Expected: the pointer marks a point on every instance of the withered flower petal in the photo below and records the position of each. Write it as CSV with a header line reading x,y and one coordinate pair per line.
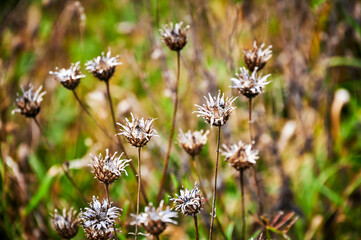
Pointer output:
x,y
29,103
69,78
67,224
193,142
174,36
103,67
257,57
240,156
189,202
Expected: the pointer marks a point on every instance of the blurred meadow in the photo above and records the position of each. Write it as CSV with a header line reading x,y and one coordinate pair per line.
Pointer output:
x,y
306,125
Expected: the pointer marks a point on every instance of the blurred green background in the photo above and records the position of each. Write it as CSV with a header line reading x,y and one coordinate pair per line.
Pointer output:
x,y
306,124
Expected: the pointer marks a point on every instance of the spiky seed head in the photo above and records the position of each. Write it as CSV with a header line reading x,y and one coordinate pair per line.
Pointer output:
x,y
65,224
189,202
193,142
240,156
249,85
103,67
98,219
109,168
69,78
138,132
155,220
175,37
257,57
29,104
217,110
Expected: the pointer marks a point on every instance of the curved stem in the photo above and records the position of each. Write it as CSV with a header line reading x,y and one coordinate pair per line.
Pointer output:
x,y
108,198
120,144
91,116
138,195
65,170
196,226
170,140
243,205
215,186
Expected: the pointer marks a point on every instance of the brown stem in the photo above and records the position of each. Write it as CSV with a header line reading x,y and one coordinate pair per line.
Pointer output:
x,y
108,198
243,205
156,237
120,144
138,195
215,186
170,140
65,170
260,205
91,116
196,226
194,163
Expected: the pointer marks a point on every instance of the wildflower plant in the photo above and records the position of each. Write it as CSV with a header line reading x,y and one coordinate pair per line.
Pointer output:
x,y
193,142
29,104
65,224
174,36
103,67
69,78
257,57
240,156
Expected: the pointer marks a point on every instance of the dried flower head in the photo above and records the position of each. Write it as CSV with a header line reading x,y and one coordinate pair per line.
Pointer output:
x,y
174,37
139,131
98,220
67,224
189,202
193,142
109,168
155,220
69,78
249,85
240,156
103,67
29,103
257,57
217,110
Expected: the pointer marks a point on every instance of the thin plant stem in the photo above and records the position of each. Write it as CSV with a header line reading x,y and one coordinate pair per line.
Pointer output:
x,y
215,186
194,163
170,140
157,237
89,114
138,195
243,205
196,226
108,198
65,170
120,144
260,205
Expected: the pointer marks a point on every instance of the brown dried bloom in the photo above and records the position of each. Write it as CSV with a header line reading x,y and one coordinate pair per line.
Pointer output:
x,y
139,131
249,85
67,224
29,103
240,156
174,37
217,110
109,168
69,78
189,202
103,67
193,142
257,57
154,220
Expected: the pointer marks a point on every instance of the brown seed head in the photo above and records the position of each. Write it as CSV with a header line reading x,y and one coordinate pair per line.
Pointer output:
x,y
69,78
174,37
189,202
240,156
192,142
138,132
67,224
257,57
103,67
29,103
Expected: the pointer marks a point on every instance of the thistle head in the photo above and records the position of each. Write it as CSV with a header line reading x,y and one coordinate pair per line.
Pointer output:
x,y
175,37
189,202
103,67
240,156
65,224
69,78
98,219
155,220
29,104
257,57
138,132
217,110
193,142
109,168
249,85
